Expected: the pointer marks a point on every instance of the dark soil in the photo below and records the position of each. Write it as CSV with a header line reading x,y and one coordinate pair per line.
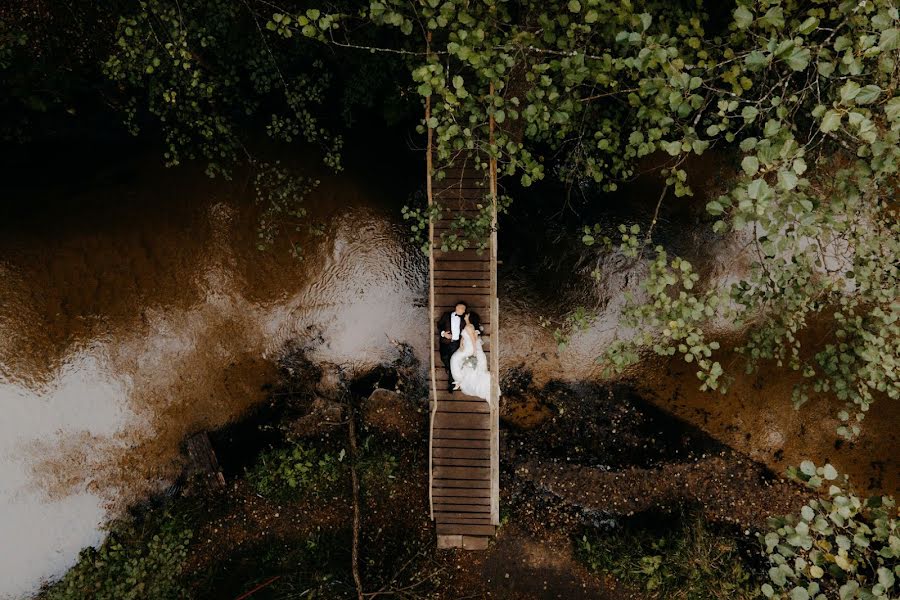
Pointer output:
x,y
572,457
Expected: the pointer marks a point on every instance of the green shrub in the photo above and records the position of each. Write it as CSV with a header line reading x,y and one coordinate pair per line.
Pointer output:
x,y
281,472
687,562
839,546
135,562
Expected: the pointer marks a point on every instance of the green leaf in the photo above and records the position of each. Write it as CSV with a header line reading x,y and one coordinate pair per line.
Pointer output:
x,y
798,59
892,109
808,26
758,189
749,113
868,94
743,17
750,164
807,467
714,207
890,39
830,122
849,91
799,593
787,180
885,578
574,6
646,20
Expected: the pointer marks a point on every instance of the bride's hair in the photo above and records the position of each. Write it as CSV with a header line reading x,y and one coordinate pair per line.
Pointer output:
x,y
474,319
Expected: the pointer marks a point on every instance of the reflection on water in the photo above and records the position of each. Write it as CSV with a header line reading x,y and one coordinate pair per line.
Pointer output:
x,y
141,312
138,311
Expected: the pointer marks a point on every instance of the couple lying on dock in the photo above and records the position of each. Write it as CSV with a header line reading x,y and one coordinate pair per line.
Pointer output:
x,y
462,352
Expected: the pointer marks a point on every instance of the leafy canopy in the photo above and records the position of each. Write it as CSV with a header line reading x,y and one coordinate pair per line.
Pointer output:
x,y
802,94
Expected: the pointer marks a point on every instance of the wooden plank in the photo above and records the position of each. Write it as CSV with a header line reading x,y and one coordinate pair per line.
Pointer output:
x,y
471,286
460,288
481,484
446,542
475,279
466,197
484,462
475,512
454,528
459,197
455,443
464,265
482,307
462,504
449,300
457,493
462,519
461,421
475,542
450,406
446,396
474,266
459,453
459,434
468,473
468,254
468,170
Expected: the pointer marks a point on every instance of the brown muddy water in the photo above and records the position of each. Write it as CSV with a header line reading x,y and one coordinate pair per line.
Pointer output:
x,y
135,309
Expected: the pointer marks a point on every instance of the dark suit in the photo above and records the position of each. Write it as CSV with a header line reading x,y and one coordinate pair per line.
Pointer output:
x,y
447,346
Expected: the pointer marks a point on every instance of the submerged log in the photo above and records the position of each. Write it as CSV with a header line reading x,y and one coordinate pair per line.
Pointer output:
x,y
203,466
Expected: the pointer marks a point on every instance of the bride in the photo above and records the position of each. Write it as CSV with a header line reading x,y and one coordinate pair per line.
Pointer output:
x,y
468,365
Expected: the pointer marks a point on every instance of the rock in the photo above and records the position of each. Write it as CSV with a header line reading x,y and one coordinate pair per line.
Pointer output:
x,y
330,385
392,413
321,412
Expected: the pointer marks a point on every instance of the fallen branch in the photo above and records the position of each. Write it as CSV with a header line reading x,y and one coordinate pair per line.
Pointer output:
x,y
354,478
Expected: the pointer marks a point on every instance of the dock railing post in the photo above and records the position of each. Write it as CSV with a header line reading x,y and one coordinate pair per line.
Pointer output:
x,y
495,337
432,400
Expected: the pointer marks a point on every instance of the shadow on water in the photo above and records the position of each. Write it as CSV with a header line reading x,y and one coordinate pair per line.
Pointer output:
x,y
609,427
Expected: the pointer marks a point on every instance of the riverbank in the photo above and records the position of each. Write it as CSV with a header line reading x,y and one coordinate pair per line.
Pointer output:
x,y
586,461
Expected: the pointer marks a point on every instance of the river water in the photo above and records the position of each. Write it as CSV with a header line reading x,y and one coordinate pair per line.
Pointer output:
x,y
135,309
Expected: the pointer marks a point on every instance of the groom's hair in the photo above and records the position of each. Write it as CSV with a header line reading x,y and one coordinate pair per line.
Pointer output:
x,y
463,303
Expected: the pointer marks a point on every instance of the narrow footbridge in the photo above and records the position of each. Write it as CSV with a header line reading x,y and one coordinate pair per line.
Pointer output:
x,y
463,440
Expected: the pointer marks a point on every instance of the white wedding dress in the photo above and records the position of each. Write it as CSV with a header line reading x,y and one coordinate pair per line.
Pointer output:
x,y
474,380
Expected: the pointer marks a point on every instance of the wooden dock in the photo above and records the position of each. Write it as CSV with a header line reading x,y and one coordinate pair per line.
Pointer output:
x,y
463,441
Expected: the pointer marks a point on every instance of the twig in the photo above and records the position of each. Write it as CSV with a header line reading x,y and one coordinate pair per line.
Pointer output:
x,y
265,583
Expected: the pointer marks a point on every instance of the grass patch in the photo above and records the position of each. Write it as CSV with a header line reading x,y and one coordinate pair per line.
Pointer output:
x,y
680,559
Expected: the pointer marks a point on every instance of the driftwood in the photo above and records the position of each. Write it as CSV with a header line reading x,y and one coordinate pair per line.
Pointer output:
x,y
203,466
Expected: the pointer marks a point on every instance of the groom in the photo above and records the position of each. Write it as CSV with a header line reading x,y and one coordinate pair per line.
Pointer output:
x,y
450,325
